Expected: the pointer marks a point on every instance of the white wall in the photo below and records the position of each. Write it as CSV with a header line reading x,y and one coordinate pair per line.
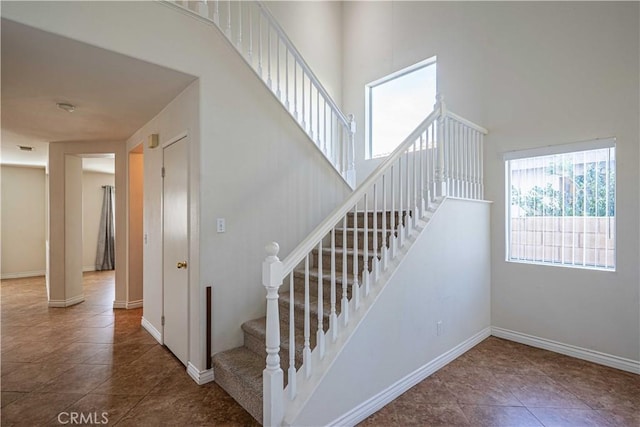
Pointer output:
x,y
23,221
92,196
534,74
444,277
315,28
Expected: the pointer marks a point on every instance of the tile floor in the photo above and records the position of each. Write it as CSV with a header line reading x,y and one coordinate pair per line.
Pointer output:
x,y
89,359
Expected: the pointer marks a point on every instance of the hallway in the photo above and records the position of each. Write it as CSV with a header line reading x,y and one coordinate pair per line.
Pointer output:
x,y
90,359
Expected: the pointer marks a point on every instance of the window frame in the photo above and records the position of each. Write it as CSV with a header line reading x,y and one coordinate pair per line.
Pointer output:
x,y
369,105
576,147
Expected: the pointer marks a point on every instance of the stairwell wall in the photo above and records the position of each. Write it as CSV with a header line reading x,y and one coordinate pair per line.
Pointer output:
x,y
251,163
445,276
534,74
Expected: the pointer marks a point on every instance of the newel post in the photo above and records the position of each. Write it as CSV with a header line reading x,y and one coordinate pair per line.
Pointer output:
x,y
272,376
351,169
442,146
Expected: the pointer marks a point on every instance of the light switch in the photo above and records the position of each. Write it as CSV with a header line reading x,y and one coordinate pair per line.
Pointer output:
x,y
220,225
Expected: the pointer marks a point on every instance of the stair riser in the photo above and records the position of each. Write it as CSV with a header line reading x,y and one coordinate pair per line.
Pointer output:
x,y
229,382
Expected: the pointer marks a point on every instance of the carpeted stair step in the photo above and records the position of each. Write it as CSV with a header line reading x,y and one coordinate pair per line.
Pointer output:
x,y
239,372
360,231
339,257
298,306
370,216
255,340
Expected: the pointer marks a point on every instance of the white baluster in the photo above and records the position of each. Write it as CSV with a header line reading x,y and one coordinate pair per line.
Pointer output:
x,y
303,103
355,286
376,244
286,78
260,45
439,160
295,90
324,118
365,259
250,53
239,40
202,9
310,130
306,351
385,238
320,331
227,31
278,92
481,155
272,376
318,118
400,227
423,154
392,239
414,193
292,341
269,82
351,171
407,215
333,317
216,13
344,306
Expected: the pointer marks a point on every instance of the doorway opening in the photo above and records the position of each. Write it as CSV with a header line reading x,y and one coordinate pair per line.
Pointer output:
x,y
98,229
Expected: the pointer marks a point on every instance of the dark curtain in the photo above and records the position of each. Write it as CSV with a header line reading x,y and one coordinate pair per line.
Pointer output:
x,y
106,254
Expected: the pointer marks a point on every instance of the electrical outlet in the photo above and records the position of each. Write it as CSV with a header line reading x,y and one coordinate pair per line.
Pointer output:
x,y
439,328
221,225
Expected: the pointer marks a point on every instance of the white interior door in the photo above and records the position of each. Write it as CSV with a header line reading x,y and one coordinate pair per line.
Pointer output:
x,y
175,230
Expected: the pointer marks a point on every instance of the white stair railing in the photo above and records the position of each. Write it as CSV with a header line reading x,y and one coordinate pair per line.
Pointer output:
x,y
441,157
253,31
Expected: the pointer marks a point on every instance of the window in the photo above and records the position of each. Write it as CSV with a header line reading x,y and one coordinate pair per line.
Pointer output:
x,y
397,104
561,205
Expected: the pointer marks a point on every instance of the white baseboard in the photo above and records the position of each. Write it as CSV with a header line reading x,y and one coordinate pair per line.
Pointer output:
x,y
365,409
57,303
22,274
200,377
569,350
152,330
133,304
119,304
88,268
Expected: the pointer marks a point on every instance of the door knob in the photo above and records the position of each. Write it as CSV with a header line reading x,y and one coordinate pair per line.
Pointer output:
x,y
182,264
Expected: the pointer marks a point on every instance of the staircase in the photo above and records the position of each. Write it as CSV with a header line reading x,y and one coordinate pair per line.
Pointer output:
x,y
333,278
239,370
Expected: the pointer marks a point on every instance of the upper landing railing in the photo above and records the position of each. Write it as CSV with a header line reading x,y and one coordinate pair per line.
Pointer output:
x,y
251,28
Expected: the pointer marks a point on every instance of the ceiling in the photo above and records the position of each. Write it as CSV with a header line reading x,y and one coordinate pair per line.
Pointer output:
x,y
114,95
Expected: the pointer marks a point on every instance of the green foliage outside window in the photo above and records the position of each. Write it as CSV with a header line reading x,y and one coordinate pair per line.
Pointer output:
x,y
595,183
